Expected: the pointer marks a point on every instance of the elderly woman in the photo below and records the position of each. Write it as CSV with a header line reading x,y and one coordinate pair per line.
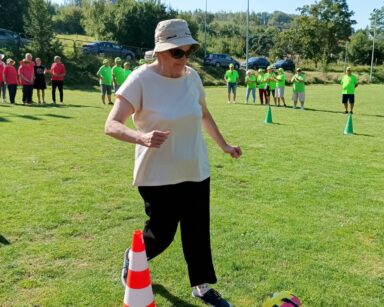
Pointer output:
x,y
166,100
58,73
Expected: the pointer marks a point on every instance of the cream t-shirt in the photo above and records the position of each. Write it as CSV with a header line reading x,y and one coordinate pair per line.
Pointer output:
x,y
172,104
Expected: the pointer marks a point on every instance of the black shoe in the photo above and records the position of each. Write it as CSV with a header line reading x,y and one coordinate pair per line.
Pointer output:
x,y
351,112
345,112
124,271
212,298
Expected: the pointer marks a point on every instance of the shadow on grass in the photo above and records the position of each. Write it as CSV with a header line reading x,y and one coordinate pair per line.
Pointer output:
x,y
3,120
174,301
58,105
4,241
57,116
361,134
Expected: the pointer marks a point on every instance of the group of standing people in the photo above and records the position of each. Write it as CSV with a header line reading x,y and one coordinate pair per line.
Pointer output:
x,y
30,75
269,83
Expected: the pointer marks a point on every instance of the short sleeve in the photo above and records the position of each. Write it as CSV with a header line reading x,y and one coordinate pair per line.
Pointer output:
x,y
132,91
200,86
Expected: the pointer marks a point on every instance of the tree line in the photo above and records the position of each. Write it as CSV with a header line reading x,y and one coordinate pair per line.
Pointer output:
x,y
321,32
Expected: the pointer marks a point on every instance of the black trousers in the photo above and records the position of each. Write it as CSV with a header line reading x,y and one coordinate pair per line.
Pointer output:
x,y
59,85
187,204
27,93
12,89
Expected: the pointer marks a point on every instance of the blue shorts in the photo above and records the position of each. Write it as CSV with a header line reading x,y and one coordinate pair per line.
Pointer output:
x,y
232,87
105,89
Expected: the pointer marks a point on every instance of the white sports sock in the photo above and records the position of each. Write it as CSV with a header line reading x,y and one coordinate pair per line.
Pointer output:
x,y
200,290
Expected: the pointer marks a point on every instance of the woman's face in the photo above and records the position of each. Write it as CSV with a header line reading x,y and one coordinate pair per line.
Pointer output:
x,y
38,62
176,59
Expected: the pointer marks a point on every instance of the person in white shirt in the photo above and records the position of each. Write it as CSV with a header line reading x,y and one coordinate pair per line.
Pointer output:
x,y
166,100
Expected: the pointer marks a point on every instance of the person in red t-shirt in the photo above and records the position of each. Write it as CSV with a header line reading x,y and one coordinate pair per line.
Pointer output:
x,y
3,88
11,79
58,73
26,76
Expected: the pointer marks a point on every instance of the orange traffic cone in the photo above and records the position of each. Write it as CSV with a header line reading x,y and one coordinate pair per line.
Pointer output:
x,y
138,290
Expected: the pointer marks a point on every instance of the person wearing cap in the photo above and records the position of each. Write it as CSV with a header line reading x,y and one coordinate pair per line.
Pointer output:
x,y
58,73
250,81
166,100
298,80
26,76
262,84
105,78
141,63
3,87
117,74
231,77
270,79
348,82
11,79
127,70
280,86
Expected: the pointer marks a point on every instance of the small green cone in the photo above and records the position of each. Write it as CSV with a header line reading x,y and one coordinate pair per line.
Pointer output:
x,y
268,116
349,126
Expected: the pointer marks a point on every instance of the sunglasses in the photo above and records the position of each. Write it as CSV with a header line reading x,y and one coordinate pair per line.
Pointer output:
x,y
177,53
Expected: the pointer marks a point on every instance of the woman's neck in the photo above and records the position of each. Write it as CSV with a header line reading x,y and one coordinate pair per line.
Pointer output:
x,y
166,71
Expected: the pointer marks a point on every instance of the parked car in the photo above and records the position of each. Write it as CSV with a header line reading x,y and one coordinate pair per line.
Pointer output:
x,y
220,60
256,63
8,37
284,64
108,49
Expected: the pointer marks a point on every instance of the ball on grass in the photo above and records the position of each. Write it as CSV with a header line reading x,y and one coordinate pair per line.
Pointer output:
x,y
282,299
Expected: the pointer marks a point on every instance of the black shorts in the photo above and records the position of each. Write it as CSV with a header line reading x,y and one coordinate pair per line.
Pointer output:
x,y
348,97
269,91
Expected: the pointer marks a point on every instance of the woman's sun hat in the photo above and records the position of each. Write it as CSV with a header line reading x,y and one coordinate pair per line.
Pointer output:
x,y
173,33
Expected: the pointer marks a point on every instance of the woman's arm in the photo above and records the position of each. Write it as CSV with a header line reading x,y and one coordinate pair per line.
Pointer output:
x,y
211,128
115,127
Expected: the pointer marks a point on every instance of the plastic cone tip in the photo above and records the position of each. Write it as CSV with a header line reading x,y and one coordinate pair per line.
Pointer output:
x,y
349,126
268,116
138,241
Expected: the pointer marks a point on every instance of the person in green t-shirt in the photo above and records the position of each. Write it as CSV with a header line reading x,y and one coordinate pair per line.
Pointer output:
x,y
298,80
105,77
262,84
280,87
348,82
117,74
127,70
231,77
270,78
250,81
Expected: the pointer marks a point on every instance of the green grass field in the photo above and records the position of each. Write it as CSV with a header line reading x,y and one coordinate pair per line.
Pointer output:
x,y
302,210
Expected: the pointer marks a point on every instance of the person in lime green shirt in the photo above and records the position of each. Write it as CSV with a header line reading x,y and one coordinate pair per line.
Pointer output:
x,y
298,80
127,70
117,74
250,81
280,86
348,82
262,84
105,77
270,78
231,77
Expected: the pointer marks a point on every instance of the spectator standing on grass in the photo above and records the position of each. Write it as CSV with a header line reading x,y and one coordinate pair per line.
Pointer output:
x,y
3,87
298,80
270,78
58,73
231,77
262,84
166,100
105,78
127,70
348,82
250,81
26,76
117,74
11,79
39,83
280,87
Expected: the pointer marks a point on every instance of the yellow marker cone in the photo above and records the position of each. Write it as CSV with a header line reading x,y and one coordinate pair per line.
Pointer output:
x,y
268,116
349,126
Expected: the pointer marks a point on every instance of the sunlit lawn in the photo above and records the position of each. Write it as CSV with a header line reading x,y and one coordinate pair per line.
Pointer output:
x,y
302,210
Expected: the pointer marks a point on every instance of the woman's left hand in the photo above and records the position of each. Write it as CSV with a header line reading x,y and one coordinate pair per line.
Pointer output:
x,y
234,151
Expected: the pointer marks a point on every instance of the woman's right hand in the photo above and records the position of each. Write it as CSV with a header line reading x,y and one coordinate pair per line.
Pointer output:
x,y
154,139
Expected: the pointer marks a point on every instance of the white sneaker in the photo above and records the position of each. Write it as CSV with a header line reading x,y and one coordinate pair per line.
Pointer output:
x,y
229,101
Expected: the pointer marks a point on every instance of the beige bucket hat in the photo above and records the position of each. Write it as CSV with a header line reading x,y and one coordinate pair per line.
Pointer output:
x,y
173,33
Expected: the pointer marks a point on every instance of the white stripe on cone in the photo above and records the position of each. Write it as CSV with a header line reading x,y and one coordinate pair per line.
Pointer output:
x,y
139,262
138,297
